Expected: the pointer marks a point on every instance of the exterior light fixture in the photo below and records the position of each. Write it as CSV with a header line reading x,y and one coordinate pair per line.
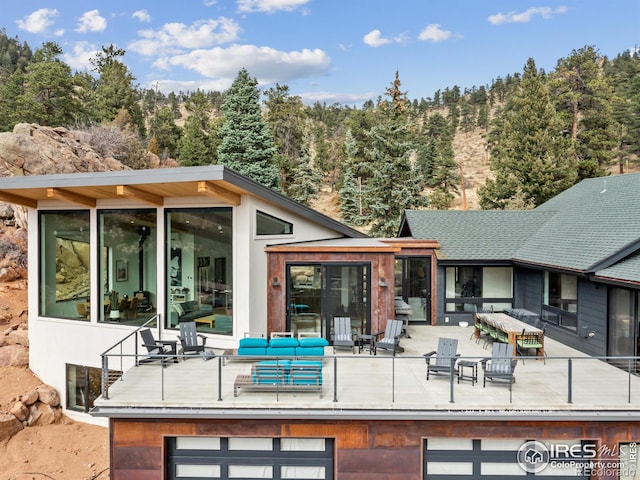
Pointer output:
x,y
275,282
382,283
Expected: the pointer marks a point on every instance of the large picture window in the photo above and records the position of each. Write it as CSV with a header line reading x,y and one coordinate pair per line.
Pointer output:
x,y
127,265
199,251
470,288
64,264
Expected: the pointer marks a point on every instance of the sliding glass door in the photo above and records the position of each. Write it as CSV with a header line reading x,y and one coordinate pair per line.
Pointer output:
x,y
317,293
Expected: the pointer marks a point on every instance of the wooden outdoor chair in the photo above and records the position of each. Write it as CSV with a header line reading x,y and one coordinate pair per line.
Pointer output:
x,y
530,341
190,340
390,338
445,357
500,366
342,335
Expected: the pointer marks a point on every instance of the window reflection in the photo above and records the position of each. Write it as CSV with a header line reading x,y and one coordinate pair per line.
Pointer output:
x,y
199,268
64,264
128,269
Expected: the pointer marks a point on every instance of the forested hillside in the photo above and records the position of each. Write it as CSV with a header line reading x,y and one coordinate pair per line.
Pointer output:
x,y
512,144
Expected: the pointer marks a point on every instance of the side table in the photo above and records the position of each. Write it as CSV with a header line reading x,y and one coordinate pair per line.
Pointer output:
x,y
364,341
472,374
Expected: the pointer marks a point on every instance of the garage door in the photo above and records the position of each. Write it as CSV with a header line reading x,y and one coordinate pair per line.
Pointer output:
x,y
503,459
191,458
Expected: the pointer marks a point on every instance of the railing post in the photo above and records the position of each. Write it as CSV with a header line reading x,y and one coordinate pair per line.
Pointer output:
x,y
393,379
105,377
569,380
453,362
335,378
629,382
220,379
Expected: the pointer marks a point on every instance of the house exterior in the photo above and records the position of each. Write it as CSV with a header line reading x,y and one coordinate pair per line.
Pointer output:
x,y
573,261
111,252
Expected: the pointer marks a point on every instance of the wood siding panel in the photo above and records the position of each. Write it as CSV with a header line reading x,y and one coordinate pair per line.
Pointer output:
x,y
364,449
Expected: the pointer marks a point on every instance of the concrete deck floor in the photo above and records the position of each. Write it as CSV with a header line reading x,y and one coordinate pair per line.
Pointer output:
x,y
386,385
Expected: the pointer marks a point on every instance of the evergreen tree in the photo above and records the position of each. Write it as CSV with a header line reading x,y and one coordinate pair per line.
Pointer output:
x,y
305,181
48,95
115,88
166,132
531,160
350,192
194,147
285,116
247,145
583,96
395,185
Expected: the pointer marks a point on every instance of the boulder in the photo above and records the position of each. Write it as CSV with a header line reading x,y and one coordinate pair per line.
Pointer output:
x,y
48,395
20,411
9,426
14,355
43,414
30,397
18,337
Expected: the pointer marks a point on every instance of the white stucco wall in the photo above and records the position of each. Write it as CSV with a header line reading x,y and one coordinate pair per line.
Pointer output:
x,y
56,342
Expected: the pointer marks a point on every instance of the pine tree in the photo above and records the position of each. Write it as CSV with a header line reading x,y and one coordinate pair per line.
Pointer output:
x,y
531,160
115,88
285,116
194,147
247,145
395,184
583,95
48,95
305,181
350,192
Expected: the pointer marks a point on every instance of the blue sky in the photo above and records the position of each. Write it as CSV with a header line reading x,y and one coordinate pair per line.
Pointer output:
x,y
343,51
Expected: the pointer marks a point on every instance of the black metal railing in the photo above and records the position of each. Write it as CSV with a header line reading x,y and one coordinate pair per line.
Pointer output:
x,y
401,379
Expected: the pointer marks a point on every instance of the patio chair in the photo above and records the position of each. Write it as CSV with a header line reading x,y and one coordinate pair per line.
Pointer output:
x,y
500,366
530,341
190,340
445,357
342,335
390,338
157,349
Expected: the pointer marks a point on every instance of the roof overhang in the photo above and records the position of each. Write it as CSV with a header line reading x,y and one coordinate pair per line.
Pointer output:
x,y
153,187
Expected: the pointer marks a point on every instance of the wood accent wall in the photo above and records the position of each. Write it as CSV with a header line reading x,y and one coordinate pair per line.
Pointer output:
x,y
375,450
382,265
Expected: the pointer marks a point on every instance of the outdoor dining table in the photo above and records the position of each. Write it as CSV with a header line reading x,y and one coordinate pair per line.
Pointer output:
x,y
511,326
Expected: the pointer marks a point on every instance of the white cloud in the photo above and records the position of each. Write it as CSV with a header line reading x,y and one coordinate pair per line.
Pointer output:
x,y
434,33
38,21
142,15
266,64
168,86
269,6
175,37
91,21
310,98
80,56
210,3
375,39
527,15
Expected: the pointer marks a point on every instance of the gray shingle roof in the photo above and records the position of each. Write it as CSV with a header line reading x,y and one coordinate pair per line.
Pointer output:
x,y
476,235
592,226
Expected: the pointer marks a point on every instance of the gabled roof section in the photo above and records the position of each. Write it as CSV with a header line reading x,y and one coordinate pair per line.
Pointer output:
x,y
474,235
595,224
626,271
152,187
593,228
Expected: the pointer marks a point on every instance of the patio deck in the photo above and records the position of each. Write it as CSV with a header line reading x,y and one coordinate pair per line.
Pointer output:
x,y
361,385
